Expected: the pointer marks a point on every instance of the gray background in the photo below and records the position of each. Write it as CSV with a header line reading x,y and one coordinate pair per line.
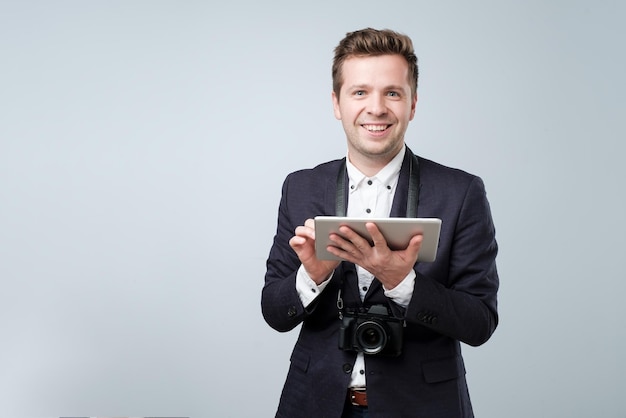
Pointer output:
x,y
144,143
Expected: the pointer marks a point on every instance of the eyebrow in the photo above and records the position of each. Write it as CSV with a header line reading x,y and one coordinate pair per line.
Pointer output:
x,y
357,86
366,86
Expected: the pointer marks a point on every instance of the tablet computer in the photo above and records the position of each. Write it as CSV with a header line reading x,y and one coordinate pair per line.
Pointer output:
x,y
397,232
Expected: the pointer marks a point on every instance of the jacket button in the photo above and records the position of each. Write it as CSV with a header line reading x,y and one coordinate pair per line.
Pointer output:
x,y
347,368
291,312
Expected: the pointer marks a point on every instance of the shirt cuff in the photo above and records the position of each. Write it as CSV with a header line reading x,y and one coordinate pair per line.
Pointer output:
x,y
307,289
403,292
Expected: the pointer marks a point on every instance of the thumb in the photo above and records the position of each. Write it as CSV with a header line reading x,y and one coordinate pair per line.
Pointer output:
x,y
414,245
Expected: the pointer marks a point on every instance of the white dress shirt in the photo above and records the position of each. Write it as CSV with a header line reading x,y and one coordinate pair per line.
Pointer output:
x,y
369,197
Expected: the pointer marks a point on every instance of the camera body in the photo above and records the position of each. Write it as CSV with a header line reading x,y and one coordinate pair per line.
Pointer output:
x,y
371,331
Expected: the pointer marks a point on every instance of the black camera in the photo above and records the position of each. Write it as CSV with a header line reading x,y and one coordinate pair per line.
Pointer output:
x,y
371,331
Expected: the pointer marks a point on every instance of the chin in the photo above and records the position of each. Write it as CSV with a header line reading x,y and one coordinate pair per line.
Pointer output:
x,y
381,150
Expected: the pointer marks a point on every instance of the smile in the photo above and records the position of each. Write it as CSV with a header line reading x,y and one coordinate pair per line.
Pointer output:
x,y
376,128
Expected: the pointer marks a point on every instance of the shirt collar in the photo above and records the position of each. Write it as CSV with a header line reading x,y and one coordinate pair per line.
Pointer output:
x,y
388,175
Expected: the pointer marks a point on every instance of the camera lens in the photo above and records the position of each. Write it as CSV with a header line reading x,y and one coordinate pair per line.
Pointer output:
x,y
370,337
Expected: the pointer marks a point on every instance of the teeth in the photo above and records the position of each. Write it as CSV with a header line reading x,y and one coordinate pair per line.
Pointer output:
x,y
375,128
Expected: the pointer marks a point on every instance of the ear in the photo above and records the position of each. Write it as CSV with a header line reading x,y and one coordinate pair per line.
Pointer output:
x,y
336,106
413,106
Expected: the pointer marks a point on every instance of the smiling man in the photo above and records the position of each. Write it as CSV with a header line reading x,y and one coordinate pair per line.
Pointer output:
x,y
415,314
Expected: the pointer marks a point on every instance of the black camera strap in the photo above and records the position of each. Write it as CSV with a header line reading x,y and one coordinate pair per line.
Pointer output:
x,y
341,198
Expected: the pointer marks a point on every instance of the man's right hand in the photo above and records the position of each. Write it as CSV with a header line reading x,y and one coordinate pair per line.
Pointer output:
x,y
303,243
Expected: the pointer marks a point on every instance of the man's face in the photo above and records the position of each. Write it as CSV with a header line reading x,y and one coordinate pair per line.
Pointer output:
x,y
375,107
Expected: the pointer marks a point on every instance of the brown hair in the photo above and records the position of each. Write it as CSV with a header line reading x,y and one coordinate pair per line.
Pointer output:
x,y
373,42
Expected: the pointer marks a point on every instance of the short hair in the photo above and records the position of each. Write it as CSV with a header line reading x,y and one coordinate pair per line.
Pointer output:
x,y
373,42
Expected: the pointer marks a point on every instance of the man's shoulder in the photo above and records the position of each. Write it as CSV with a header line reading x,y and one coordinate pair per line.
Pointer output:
x,y
433,169
323,170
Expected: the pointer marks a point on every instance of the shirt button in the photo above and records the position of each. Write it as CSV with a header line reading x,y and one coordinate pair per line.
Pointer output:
x,y
368,210
364,288
361,371
369,182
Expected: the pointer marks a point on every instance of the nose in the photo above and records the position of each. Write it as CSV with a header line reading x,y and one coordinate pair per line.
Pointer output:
x,y
376,105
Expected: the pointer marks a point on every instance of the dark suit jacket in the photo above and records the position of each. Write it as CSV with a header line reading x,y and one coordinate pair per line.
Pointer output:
x,y
454,300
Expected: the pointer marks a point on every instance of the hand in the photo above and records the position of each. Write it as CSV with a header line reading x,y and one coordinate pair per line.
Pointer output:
x,y
303,243
389,267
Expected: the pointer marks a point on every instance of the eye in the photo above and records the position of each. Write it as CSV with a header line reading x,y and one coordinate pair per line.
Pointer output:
x,y
359,93
393,94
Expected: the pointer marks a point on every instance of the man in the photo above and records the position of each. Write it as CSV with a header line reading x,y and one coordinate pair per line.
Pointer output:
x,y
440,304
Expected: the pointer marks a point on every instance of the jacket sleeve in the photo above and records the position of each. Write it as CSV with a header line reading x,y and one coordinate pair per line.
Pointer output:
x,y
281,305
459,300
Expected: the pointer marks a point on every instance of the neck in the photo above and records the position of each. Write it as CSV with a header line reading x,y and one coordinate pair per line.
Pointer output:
x,y
370,165
367,166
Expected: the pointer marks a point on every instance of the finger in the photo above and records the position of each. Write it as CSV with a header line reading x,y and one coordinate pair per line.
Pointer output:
x,y
341,253
340,243
377,237
354,238
305,231
297,242
353,252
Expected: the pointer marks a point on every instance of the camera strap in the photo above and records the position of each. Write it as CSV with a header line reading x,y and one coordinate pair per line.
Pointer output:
x,y
341,198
